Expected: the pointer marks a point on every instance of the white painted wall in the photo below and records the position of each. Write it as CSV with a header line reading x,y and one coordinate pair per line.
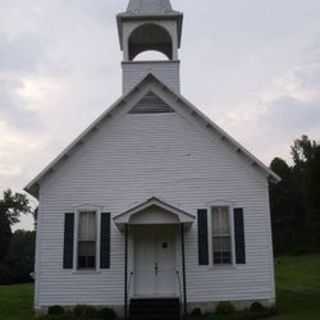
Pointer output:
x,y
132,158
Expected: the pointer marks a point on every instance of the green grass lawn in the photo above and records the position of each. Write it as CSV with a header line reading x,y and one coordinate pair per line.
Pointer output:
x,y
298,288
16,302
298,292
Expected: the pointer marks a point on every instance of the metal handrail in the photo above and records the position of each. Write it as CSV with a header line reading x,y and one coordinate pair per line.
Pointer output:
x,y
179,282
129,283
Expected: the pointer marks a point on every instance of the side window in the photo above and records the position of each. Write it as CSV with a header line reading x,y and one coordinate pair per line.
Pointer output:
x,y
87,240
221,236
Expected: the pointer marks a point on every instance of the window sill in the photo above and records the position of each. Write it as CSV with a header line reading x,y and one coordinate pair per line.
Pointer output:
x,y
222,267
82,272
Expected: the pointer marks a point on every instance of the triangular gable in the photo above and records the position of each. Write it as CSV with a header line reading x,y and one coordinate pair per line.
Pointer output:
x,y
33,186
125,217
151,104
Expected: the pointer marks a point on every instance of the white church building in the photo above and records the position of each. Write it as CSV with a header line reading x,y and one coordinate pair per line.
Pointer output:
x,y
154,207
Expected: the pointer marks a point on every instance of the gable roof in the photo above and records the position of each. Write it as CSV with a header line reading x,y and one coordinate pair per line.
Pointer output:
x,y
33,186
124,218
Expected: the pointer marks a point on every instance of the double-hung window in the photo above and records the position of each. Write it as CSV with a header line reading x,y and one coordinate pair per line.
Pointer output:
x,y
87,240
221,236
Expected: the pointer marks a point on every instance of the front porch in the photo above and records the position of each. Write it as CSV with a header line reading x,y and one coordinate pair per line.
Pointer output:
x,y
155,269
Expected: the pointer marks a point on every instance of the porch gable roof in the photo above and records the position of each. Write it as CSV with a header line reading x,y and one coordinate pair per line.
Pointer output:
x,y
183,217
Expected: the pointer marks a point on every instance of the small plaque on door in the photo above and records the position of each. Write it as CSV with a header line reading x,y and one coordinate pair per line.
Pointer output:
x,y
164,245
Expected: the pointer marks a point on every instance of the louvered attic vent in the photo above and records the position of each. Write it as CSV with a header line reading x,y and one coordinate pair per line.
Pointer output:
x,y
151,103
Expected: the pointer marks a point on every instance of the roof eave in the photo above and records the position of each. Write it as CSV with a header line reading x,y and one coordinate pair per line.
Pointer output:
x,y
32,189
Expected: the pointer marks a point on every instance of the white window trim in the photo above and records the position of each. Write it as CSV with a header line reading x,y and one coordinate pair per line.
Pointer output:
x,y
230,206
77,211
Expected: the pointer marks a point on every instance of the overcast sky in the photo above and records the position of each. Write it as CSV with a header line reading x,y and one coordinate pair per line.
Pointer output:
x,y
252,66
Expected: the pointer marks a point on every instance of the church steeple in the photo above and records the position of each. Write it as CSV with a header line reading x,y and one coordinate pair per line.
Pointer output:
x,y
150,25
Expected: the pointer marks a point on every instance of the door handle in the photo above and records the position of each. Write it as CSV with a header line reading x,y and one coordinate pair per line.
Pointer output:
x,y
156,268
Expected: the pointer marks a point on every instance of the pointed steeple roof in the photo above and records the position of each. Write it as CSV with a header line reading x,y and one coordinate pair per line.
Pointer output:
x,y
149,6
145,8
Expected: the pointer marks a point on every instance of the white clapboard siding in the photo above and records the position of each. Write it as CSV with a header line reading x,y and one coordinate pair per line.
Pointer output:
x,y
166,71
131,158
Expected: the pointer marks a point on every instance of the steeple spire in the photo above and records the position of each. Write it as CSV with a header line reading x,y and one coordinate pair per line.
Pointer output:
x,y
149,6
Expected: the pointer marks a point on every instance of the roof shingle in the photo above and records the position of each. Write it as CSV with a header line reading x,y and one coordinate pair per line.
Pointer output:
x,y
152,7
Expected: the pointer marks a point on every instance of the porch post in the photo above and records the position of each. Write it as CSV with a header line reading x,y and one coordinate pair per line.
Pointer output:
x,y
126,273
185,303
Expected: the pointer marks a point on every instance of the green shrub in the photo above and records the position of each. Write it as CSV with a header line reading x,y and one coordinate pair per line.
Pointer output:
x,y
65,316
254,315
211,316
107,314
225,308
257,307
196,312
273,311
84,312
55,310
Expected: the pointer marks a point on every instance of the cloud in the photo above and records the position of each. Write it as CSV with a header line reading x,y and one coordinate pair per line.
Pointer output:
x,y
287,114
17,151
14,107
22,53
21,56
282,111
294,100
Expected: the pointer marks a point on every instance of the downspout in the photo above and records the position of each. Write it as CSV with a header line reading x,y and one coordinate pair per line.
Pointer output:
x,y
185,302
126,273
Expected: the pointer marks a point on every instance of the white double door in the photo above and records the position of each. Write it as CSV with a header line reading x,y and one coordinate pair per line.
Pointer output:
x,y
155,261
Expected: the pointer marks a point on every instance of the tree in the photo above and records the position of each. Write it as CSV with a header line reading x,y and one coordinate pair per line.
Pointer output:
x,y
19,262
303,150
306,156
20,257
11,207
295,201
283,207
5,236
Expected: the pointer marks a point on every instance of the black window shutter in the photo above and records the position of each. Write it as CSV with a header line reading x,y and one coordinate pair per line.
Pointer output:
x,y
68,241
239,236
105,241
203,237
